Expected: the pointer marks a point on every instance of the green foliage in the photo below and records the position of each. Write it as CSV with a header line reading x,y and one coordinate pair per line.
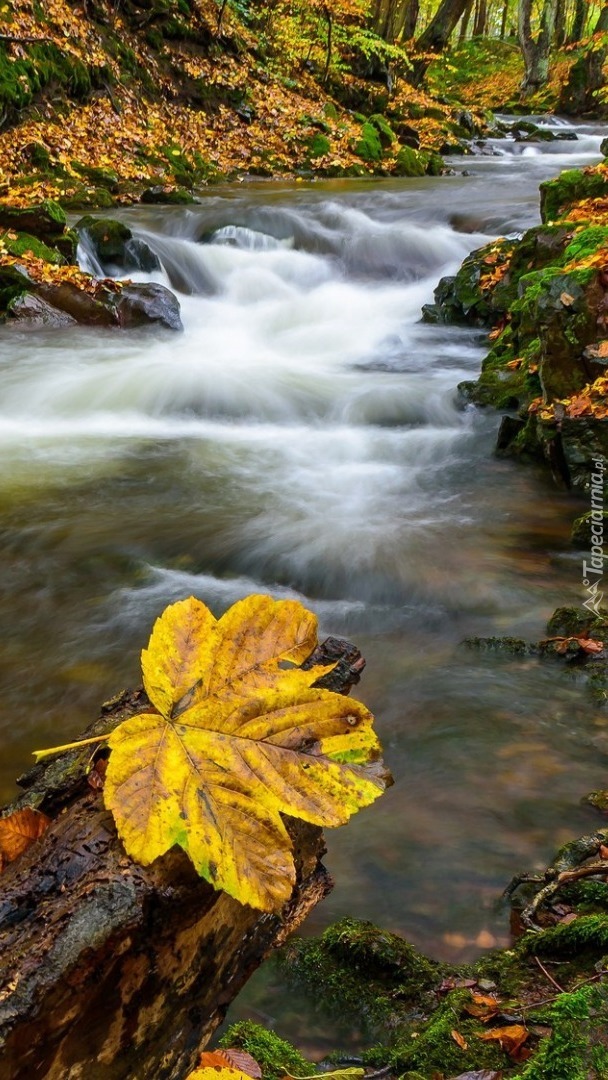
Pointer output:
x,y
317,145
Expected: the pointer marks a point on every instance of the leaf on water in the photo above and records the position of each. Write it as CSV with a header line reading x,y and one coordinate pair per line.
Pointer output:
x,y
232,1059
239,739
459,1039
19,830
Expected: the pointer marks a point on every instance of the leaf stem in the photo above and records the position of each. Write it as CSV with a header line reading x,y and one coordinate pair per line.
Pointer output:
x,y
40,754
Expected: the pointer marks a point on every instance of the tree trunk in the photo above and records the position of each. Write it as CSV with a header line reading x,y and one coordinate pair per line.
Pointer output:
x,y
113,971
560,23
578,23
535,52
481,15
503,21
436,36
410,20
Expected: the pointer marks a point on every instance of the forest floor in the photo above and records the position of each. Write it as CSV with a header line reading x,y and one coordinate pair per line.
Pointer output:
x,y
98,104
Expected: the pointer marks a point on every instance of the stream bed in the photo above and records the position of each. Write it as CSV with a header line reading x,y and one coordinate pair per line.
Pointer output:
x,y
304,437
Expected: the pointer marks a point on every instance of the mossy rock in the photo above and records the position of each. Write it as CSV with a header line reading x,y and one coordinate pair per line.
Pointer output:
x,y
410,162
167,196
101,178
88,198
581,528
25,244
573,621
115,245
558,196
460,298
384,129
45,219
369,146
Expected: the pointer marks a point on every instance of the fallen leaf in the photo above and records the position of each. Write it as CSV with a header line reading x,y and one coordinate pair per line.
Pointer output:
x,y
232,1059
511,1037
566,299
459,1039
19,830
217,1072
239,739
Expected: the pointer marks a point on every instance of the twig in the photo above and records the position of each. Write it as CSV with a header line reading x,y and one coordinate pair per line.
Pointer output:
x,y
548,975
25,39
556,997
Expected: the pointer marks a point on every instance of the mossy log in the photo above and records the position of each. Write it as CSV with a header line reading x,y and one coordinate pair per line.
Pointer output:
x,y
109,969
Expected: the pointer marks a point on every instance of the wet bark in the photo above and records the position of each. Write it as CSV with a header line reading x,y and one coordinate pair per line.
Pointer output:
x,y
110,969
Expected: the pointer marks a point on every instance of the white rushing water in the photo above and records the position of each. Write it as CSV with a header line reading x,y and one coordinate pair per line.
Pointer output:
x,y
303,436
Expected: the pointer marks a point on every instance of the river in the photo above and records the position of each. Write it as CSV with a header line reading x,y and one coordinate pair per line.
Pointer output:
x,y
303,437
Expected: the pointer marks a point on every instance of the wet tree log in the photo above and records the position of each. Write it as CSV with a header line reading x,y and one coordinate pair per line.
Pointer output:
x,y
113,970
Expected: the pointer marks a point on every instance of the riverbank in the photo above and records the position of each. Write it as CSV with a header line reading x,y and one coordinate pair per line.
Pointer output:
x,y
104,107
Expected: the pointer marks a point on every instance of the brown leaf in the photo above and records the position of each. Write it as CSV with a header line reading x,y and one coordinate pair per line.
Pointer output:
x,y
566,299
588,645
19,830
233,1059
479,1074
459,1039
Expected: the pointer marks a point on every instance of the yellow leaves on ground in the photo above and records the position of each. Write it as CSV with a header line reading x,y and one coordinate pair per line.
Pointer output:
x,y
18,831
240,738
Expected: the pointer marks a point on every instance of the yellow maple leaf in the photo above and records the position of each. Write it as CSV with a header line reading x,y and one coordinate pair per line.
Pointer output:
x,y
241,737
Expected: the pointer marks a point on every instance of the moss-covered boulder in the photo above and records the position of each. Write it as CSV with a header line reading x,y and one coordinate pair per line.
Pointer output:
x,y
369,146
46,219
114,245
558,196
410,162
468,297
384,129
581,528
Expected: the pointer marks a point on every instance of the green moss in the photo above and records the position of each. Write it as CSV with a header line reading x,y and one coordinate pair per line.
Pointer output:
x,y
509,645
570,621
586,935
330,968
25,244
574,1050
428,1046
409,162
275,1056
317,145
384,129
369,147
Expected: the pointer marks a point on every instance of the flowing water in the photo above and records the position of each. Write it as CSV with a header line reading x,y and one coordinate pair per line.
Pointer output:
x,y
303,437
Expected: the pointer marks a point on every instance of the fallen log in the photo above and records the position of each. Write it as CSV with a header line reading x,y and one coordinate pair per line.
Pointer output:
x,y
110,969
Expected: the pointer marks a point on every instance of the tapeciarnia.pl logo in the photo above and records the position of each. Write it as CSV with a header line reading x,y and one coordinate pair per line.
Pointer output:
x,y
593,571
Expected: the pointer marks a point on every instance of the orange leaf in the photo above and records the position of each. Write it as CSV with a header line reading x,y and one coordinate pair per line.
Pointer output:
x,y
511,1037
19,830
459,1039
514,364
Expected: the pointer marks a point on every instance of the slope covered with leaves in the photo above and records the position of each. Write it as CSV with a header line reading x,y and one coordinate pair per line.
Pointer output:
x,y
98,102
